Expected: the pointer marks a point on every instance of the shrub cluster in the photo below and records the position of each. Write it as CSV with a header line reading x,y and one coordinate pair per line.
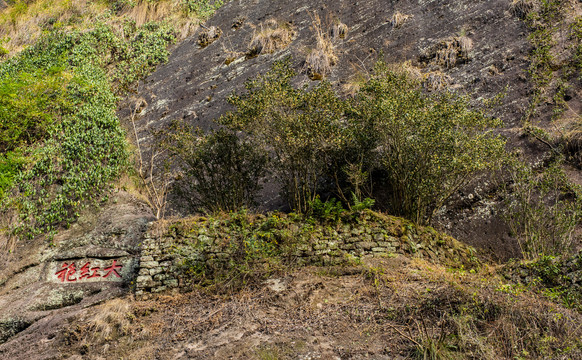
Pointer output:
x,y
421,148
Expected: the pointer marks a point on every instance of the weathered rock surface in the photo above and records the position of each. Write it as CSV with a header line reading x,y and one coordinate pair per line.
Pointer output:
x,y
99,259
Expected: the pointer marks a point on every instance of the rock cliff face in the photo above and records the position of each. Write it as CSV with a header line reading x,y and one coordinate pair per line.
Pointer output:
x,y
476,47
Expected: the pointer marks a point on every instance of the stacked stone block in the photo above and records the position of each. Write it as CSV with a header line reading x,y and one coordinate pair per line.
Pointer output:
x,y
374,235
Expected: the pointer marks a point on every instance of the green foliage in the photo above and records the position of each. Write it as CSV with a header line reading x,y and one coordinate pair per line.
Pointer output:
x,y
303,128
58,110
428,146
330,210
542,209
552,279
220,171
10,165
202,8
29,104
358,205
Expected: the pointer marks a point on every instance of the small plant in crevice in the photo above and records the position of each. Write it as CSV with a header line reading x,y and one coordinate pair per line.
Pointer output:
x,y
208,36
398,19
339,30
521,8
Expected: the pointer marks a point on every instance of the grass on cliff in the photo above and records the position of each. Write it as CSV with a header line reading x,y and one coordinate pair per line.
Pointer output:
x,y
24,22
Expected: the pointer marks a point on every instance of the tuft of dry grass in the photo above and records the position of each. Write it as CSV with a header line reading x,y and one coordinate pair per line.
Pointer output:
x,y
112,320
398,19
452,51
8,218
521,8
208,36
320,59
270,36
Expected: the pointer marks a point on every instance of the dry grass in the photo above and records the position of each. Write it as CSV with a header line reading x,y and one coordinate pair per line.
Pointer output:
x,y
339,30
398,19
421,309
23,22
453,51
112,320
8,218
208,36
270,36
521,8
320,60
436,81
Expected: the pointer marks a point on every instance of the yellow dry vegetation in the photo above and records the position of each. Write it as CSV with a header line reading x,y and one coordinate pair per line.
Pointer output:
x,y
269,37
23,22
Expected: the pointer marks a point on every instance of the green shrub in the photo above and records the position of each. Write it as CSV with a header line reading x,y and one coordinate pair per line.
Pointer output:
x,y
542,209
428,146
220,171
304,129
10,165
30,102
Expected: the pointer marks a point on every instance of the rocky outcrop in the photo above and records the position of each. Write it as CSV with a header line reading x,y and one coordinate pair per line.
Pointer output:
x,y
44,283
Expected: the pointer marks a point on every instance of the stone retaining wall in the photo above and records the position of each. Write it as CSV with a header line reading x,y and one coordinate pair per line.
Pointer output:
x,y
210,243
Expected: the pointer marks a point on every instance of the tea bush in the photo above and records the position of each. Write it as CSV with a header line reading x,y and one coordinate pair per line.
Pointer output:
x,y
220,172
428,146
425,146
303,128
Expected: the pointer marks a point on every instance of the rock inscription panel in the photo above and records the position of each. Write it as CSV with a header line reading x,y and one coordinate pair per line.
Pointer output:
x,y
90,270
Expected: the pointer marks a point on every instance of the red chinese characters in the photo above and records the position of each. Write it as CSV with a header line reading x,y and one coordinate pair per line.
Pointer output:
x,y
68,272
112,270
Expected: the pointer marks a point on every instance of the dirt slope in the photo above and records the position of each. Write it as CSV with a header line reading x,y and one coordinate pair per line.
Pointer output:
x,y
384,309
